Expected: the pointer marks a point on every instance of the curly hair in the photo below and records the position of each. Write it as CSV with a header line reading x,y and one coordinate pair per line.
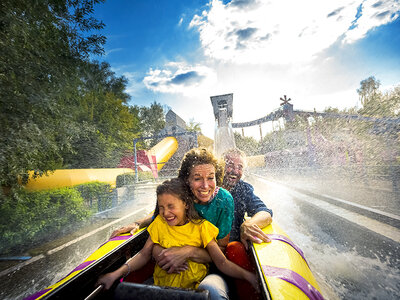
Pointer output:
x,y
200,156
179,189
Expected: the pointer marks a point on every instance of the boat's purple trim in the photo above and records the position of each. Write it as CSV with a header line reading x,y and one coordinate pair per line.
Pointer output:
x,y
120,237
295,279
285,239
117,238
82,266
37,294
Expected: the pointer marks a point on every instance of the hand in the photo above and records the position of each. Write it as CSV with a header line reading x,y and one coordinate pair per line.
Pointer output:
x,y
173,260
107,280
131,228
253,233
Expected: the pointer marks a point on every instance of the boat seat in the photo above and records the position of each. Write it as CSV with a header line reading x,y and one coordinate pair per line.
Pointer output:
x,y
128,290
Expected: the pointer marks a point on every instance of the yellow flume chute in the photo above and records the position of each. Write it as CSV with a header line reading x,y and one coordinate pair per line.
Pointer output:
x,y
163,151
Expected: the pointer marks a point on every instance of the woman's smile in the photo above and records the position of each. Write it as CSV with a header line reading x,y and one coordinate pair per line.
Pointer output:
x,y
202,182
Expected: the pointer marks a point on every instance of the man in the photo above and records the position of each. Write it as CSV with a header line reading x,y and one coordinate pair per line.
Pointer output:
x,y
245,202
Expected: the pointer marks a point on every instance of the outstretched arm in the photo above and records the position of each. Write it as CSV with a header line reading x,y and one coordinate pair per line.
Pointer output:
x,y
133,264
173,260
250,230
228,267
133,227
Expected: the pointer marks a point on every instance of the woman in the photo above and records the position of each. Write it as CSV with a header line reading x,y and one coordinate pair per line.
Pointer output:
x,y
203,175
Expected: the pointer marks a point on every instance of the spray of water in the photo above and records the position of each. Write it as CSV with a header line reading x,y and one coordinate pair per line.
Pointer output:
x,y
341,271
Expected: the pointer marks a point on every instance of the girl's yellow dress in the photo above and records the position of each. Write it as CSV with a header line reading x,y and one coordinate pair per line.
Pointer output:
x,y
192,234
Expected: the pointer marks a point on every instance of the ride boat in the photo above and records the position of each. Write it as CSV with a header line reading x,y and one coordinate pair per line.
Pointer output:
x,y
281,267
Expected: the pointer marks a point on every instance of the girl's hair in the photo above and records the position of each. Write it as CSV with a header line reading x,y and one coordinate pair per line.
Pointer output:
x,y
179,189
200,156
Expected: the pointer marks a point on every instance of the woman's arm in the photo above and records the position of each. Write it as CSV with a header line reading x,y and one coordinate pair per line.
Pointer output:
x,y
173,260
133,264
228,267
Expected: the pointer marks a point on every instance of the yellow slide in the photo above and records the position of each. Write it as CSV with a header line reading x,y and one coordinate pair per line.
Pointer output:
x,y
163,151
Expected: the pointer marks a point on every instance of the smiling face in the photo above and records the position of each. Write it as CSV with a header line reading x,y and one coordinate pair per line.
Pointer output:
x,y
202,182
172,209
233,170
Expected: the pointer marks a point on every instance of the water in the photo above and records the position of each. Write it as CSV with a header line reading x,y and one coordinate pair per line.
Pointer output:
x,y
344,257
224,139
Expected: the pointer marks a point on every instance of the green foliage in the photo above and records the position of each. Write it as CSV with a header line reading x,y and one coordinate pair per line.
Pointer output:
x,y
29,217
152,120
193,126
247,144
369,94
125,179
58,109
108,123
145,176
96,195
42,44
378,104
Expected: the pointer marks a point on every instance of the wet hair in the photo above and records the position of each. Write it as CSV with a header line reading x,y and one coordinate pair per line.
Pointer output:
x,y
179,189
200,156
236,152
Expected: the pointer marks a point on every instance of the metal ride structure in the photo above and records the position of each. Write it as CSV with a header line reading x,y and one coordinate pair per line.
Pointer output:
x,y
287,112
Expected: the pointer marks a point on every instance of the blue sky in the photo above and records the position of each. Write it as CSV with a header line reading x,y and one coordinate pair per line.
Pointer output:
x,y
181,52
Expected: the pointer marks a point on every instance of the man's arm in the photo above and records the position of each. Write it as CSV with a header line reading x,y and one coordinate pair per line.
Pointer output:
x,y
261,216
173,260
250,230
133,227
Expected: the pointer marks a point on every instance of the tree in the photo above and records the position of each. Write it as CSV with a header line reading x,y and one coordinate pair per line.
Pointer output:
x,y
370,96
247,144
42,43
108,122
391,102
193,126
152,120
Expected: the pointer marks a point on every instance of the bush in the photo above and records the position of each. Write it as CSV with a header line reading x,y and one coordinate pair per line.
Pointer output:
x,y
29,217
125,179
129,178
96,192
145,176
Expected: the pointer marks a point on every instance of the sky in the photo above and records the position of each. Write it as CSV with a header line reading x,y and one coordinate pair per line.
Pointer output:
x,y
179,53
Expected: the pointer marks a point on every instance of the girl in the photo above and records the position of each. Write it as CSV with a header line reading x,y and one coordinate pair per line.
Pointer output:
x,y
177,224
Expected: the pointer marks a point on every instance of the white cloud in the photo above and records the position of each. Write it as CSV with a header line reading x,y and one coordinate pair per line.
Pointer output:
x,y
262,50
108,52
374,14
180,21
179,77
285,31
